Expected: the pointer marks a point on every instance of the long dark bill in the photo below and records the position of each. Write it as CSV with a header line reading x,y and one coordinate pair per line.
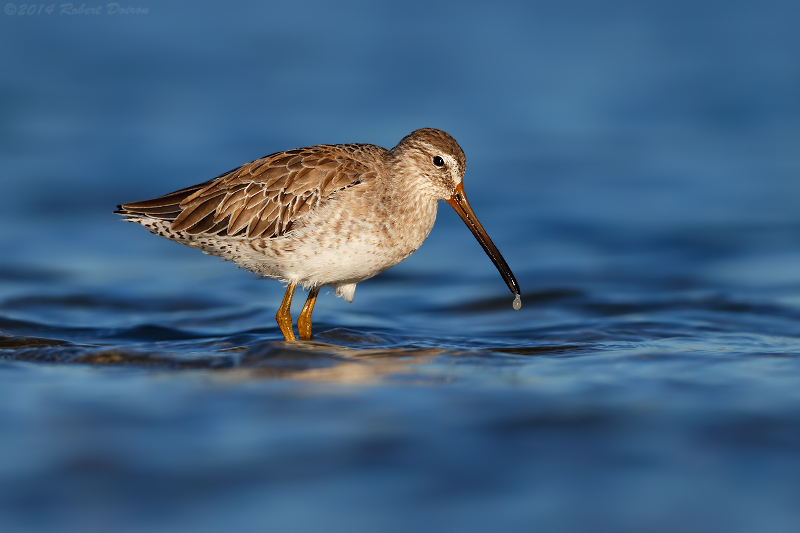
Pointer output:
x,y
460,204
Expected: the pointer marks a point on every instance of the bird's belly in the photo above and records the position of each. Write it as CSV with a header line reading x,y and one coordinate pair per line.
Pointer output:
x,y
349,260
320,259
336,247
351,264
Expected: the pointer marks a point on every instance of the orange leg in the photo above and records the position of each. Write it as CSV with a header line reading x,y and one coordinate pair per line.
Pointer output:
x,y
283,317
304,322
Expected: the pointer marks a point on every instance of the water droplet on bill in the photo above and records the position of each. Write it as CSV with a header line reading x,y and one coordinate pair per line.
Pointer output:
x,y
517,303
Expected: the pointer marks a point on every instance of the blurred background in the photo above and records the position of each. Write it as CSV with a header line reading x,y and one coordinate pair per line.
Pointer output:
x,y
637,163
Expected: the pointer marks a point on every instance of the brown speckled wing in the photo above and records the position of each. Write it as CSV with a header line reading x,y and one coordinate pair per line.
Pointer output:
x,y
264,198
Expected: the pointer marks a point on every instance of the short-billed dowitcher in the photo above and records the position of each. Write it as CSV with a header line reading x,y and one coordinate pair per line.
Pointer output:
x,y
324,215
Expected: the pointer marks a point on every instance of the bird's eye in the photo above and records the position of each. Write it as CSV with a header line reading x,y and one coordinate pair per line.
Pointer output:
x,y
438,161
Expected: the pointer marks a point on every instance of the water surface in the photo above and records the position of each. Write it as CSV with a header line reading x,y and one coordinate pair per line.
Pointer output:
x,y
636,164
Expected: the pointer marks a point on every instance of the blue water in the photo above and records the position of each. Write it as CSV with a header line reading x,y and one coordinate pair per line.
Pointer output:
x,y
636,163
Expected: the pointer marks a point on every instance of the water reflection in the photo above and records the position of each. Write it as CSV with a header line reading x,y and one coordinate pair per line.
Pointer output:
x,y
257,359
316,361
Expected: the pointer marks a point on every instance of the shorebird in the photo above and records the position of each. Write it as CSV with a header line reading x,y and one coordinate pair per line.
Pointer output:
x,y
325,215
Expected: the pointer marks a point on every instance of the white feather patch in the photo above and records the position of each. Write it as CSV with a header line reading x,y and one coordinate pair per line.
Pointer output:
x,y
345,290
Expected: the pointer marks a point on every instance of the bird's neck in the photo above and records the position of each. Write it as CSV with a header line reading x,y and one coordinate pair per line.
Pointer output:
x,y
410,210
